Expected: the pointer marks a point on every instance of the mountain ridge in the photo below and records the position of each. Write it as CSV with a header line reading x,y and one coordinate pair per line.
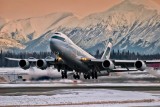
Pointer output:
x,y
132,26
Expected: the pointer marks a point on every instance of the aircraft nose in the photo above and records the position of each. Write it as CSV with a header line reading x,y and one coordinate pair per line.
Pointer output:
x,y
55,46
52,42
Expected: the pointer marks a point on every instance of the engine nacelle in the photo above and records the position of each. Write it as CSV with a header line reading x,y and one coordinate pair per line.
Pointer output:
x,y
42,64
108,64
140,65
24,64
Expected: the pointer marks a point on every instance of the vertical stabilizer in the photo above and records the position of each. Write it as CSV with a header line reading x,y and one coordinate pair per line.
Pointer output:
x,y
107,51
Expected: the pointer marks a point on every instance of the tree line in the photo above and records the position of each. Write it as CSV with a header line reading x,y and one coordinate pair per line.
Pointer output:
x,y
114,55
129,55
22,55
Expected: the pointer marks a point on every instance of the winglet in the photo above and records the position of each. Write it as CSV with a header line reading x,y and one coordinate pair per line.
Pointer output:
x,y
107,51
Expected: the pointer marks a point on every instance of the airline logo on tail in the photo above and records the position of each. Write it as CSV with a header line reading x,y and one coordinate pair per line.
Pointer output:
x,y
106,54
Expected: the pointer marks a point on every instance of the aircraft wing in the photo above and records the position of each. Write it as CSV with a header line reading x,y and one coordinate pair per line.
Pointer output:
x,y
16,59
133,61
120,65
30,59
50,61
126,61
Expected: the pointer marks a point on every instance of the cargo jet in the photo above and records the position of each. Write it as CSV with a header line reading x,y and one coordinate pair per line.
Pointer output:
x,y
70,57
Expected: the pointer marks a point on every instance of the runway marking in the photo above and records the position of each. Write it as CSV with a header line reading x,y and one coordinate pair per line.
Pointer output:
x,y
90,103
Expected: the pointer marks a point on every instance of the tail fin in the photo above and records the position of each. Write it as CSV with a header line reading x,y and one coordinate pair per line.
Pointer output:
x,y
107,51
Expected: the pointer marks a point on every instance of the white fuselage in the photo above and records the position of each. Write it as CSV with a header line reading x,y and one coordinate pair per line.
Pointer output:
x,y
70,53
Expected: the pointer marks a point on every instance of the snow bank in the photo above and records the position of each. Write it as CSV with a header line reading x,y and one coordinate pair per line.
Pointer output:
x,y
80,97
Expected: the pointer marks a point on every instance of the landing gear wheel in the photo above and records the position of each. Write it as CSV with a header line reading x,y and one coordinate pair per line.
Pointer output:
x,y
64,75
76,76
85,76
88,76
93,75
96,75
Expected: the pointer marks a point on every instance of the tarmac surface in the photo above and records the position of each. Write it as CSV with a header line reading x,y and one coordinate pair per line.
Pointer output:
x,y
74,93
116,91
42,87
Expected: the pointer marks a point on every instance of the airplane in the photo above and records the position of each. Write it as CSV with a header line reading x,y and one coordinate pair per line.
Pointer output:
x,y
70,57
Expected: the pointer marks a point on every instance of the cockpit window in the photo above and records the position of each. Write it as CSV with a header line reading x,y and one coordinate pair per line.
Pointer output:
x,y
59,38
57,33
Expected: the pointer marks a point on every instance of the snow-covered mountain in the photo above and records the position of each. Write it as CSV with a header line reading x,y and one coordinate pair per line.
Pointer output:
x,y
133,25
18,33
2,22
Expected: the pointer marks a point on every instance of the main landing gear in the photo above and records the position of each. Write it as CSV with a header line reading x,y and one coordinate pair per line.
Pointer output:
x,y
64,74
86,76
76,75
92,75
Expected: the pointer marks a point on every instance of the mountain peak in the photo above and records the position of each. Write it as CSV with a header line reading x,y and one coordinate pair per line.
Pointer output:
x,y
136,4
148,4
133,25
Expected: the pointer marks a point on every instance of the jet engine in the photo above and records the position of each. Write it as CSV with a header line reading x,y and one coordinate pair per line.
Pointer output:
x,y
24,64
42,64
108,64
140,65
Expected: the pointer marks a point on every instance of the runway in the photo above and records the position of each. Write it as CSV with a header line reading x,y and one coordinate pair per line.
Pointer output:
x,y
80,94
13,88
122,91
77,97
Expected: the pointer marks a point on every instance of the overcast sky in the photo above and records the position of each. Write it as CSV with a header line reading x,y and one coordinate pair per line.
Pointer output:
x,y
17,9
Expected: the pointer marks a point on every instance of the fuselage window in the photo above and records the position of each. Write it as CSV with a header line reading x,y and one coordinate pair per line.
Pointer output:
x,y
59,38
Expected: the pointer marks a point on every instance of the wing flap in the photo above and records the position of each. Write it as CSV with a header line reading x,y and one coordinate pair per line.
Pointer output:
x,y
123,69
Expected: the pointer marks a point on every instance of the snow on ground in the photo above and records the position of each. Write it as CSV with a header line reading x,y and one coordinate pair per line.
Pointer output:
x,y
116,105
77,97
79,84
